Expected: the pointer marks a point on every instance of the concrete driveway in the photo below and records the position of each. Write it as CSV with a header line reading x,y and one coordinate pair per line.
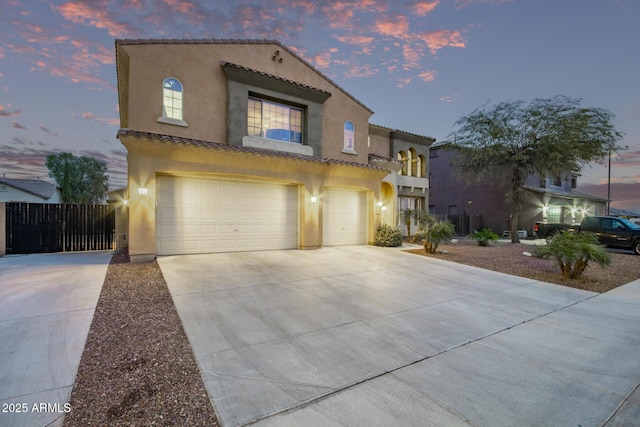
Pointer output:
x,y
362,335
47,303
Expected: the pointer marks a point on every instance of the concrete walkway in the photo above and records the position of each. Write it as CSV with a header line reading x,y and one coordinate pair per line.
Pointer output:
x,y
372,336
47,303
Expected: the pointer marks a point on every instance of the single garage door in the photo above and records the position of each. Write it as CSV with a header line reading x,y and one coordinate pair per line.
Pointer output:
x,y
196,215
344,217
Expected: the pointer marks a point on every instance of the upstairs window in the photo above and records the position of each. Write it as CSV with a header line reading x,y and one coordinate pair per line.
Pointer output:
x,y
268,119
349,136
403,159
172,100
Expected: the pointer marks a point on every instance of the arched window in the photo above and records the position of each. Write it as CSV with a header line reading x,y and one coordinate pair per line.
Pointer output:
x,y
172,102
172,94
410,162
414,162
423,166
403,159
349,136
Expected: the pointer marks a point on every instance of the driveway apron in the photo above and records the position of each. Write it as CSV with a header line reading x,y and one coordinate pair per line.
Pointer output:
x,y
360,335
47,302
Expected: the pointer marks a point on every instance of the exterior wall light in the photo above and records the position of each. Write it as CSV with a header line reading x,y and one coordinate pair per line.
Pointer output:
x,y
314,199
383,208
142,191
125,202
379,204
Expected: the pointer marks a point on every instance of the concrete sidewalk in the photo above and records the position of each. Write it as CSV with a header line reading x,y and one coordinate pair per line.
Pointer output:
x,y
373,336
47,303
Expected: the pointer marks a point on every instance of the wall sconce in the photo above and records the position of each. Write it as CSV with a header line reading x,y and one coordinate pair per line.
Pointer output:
x,y
142,191
125,202
380,204
314,199
383,208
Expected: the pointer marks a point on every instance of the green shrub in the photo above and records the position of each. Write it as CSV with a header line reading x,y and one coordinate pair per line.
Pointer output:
x,y
573,251
438,232
484,236
388,236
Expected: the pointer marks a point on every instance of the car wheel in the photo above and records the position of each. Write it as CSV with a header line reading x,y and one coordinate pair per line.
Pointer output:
x,y
636,247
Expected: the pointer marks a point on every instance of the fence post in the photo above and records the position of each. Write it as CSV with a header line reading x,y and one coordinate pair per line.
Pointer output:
x,y
3,228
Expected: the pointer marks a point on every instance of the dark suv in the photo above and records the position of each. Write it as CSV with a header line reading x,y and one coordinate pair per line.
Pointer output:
x,y
614,232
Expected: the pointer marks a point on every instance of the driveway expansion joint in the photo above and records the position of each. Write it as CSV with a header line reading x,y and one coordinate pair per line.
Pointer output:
x,y
339,390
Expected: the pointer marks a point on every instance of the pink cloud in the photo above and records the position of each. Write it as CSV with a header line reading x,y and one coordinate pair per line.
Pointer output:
x,y
424,8
402,82
6,112
626,159
450,98
93,15
428,76
180,6
108,121
322,60
356,40
436,40
397,26
465,3
624,195
365,70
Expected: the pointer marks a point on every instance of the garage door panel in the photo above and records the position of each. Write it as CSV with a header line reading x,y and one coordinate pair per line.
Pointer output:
x,y
203,215
344,217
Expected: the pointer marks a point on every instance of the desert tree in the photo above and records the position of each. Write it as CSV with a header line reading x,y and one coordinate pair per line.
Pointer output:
x,y
512,140
81,179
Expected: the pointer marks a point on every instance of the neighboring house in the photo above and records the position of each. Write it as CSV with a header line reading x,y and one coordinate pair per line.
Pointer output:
x,y
238,145
484,204
28,190
412,154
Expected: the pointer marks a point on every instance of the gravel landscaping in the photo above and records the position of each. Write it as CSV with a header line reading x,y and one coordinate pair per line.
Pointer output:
x,y
138,368
509,258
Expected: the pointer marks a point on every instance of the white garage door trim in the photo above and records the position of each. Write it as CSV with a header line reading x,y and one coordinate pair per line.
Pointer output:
x,y
344,218
201,215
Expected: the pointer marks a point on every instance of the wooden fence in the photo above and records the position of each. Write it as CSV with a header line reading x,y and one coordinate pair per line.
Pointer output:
x,y
41,227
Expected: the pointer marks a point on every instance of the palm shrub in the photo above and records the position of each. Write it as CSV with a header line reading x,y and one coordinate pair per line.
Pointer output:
x,y
433,232
484,236
388,236
573,251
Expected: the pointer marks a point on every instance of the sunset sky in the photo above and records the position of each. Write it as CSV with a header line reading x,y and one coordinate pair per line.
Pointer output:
x,y
420,65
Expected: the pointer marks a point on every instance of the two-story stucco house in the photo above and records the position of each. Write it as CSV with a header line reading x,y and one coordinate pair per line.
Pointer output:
x,y
475,205
412,154
237,145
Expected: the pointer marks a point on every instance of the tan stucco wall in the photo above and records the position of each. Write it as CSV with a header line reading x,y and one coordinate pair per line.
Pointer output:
x,y
147,159
142,68
119,199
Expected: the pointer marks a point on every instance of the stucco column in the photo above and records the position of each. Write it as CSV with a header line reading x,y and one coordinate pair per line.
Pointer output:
x,y
311,226
142,220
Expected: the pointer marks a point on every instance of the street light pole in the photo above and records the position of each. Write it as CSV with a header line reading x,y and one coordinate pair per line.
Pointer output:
x,y
609,187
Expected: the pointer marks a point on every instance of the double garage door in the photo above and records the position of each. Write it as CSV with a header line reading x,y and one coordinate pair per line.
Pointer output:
x,y
198,215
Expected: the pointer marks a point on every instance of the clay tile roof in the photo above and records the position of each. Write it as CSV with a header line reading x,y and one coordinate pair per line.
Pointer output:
x,y
239,41
227,147
262,73
383,158
415,135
